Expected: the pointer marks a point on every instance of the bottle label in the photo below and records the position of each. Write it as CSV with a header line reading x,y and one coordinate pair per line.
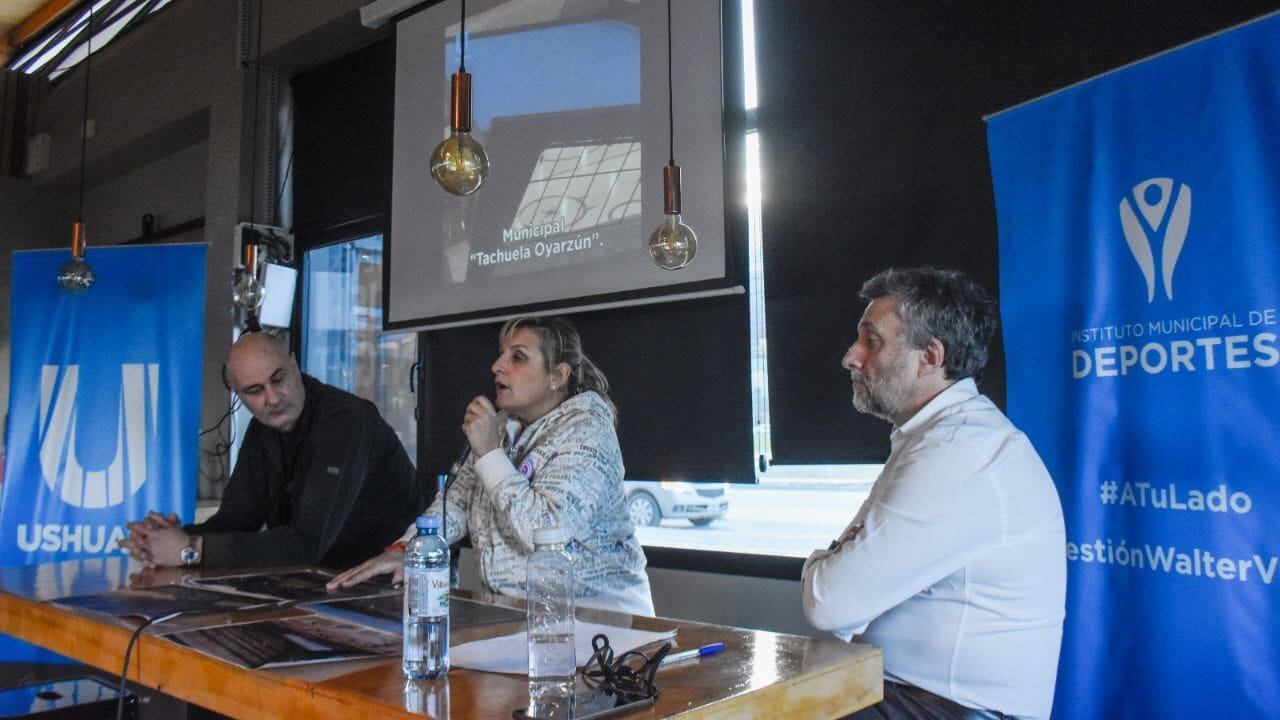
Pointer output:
x,y
431,591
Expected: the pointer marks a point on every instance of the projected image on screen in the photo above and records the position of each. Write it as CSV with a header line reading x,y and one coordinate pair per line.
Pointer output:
x,y
566,99
581,202
582,186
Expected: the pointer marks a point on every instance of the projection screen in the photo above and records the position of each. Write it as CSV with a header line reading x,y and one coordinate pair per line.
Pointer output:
x,y
570,101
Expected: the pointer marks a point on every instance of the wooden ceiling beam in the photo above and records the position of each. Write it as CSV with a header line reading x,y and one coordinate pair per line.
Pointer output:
x,y
33,25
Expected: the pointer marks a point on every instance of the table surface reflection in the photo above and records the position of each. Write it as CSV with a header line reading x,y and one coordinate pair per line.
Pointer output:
x,y
760,674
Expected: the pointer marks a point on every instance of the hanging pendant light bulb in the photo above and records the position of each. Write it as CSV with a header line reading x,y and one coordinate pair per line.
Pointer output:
x,y
247,291
673,245
75,275
459,163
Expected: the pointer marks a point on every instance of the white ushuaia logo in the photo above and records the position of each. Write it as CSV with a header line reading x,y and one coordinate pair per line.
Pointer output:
x,y
135,429
1157,217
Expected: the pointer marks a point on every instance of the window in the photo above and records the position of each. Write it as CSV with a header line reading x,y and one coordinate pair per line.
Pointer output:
x,y
792,509
64,45
342,340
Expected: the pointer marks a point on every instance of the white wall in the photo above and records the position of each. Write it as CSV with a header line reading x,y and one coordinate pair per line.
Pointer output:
x,y
170,188
747,602
750,602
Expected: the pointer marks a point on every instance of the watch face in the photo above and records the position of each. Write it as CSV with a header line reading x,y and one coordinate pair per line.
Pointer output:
x,y
189,556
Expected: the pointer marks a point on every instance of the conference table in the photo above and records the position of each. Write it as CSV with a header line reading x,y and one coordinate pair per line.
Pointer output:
x,y
759,675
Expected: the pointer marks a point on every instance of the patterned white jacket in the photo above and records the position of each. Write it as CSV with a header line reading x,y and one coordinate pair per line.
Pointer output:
x,y
564,469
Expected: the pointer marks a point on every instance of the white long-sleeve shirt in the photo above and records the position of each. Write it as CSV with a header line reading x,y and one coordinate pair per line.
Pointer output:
x,y
955,565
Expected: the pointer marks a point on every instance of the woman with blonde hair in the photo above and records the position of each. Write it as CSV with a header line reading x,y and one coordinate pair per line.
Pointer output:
x,y
544,452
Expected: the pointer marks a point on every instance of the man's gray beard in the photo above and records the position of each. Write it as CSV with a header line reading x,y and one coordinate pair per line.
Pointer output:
x,y
887,395
871,405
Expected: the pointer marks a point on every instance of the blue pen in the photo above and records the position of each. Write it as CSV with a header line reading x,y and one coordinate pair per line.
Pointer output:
x,y
705,650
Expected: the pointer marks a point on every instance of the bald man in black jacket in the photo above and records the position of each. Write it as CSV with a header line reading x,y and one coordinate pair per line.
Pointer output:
x,y
321,479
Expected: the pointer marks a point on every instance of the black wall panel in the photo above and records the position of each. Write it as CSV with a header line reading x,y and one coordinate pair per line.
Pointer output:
x,y
342,139
874,155
679,374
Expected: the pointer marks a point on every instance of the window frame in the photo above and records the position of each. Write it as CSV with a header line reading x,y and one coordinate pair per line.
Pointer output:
x,y
68,35
742,180
376,224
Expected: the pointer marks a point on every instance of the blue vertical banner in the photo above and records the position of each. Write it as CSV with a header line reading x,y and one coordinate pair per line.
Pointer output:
x,y
1139,218
104,399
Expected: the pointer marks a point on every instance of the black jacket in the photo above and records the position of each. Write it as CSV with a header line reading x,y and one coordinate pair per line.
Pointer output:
x,y
334,491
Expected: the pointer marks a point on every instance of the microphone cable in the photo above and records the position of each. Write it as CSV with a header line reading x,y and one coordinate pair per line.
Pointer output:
x,y
128,651
444,493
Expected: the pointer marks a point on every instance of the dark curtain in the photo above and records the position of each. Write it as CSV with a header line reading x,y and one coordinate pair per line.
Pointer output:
x,y
341,166
874,155
679,374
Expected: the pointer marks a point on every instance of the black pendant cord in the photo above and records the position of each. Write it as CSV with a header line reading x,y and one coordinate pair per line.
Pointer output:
x,y
84,124
253,154
462,40
671,105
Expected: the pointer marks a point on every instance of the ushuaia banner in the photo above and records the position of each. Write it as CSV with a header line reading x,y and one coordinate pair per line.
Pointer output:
x,y
1139,218
104,400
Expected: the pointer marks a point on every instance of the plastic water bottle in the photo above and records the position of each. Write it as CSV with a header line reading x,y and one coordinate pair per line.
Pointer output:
x,y
427,697
426,602
549,591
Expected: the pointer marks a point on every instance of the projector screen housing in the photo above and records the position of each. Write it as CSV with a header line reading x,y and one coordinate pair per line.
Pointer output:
x,y
570,101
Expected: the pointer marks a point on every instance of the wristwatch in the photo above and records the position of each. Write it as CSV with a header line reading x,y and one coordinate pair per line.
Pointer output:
x,y
190,555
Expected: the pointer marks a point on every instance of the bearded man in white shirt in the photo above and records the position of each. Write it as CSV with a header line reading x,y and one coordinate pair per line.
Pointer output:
x,y
955,564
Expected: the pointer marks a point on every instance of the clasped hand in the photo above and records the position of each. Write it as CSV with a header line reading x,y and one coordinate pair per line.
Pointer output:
x,y
480,423
156,540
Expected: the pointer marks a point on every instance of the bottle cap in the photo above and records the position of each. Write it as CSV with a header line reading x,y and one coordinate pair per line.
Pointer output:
x,y
554,535
428,522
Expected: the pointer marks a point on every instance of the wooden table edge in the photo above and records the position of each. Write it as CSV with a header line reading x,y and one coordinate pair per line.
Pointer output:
x,y
167,667
867,667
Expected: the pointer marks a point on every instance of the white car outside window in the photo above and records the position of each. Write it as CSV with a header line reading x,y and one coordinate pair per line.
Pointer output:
x,y
649,502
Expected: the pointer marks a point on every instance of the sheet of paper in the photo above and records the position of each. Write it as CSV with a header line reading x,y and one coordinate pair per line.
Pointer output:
x,y
510,653
291,641
161,600
306,585
386,612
